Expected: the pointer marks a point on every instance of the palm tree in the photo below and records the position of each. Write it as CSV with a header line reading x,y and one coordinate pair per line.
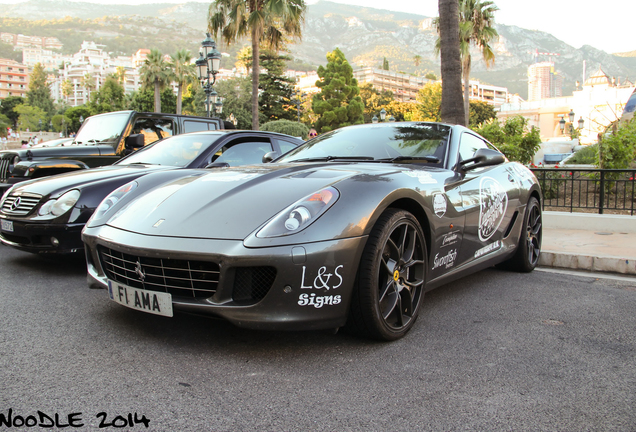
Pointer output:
x,y
476,27
183,73
88,82
155,72
265,21
417,59
120,73
452,109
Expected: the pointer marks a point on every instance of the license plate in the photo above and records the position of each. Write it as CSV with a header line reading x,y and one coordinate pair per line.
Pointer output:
x,y
153,302
6,225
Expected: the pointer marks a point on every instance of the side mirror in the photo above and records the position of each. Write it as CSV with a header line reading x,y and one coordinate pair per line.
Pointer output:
x,y
482,158
134,141
270,156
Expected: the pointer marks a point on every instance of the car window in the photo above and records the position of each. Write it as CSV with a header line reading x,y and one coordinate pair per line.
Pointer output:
x,y
382,141
242,152
178,151
195,126
285,146
153,129
469,144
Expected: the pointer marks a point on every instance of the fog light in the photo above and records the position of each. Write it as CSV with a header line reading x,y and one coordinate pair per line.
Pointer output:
x,y
55,242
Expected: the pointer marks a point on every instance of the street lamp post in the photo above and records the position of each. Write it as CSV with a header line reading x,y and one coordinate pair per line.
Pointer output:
x,y
298,100
572,132
208,66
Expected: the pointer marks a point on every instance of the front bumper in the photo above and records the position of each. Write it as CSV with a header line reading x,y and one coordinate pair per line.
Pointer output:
x,y
311,288
43,237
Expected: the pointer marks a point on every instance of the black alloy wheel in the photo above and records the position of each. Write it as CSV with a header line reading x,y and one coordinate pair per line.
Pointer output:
x,y
390,283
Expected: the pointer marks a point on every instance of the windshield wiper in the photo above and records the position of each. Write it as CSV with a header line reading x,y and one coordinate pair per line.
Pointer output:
x,y
335,158
433,159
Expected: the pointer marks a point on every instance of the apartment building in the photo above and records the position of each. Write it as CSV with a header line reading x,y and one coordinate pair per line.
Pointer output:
x,y
544,82
14,78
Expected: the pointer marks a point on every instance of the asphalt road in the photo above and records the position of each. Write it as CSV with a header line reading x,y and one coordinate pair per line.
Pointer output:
x,y
495,351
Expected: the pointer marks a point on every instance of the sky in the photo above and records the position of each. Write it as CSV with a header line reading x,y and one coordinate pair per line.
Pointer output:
x,y
607,25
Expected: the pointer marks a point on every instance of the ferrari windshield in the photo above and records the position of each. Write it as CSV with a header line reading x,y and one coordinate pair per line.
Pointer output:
x,y
177,151
427,142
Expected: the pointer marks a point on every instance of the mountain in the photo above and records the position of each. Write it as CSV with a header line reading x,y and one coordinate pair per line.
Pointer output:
x,y
365,35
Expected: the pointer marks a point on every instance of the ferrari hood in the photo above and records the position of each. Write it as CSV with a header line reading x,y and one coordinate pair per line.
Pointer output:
x,y
228,203
63,182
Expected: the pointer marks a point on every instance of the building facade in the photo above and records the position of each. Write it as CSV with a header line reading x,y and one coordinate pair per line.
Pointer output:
x,y
14,78
544,82
600,102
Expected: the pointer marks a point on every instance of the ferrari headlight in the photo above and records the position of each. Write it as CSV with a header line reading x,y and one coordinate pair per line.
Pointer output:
x,y
61,205
301,214
112,199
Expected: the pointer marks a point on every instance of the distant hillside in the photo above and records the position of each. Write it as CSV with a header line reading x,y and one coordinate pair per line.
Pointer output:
x,y
365,35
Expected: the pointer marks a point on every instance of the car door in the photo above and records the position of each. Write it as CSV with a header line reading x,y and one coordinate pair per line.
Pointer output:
x,y
489,197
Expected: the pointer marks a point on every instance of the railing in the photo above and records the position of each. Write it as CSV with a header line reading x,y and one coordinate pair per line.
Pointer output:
x,y
586,190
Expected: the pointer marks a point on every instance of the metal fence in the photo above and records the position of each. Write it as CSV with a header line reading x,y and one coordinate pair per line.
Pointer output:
x,y
588,190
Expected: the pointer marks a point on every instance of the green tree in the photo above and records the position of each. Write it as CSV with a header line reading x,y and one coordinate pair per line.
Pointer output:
x,y
385,64
30,117
429,103
183,73
276,88
513,137
144,100
374,100
39,94
237,100
88,82
266,21
110,97
67,88
5,123
452,108
7,108
120,75
155,74
60,123
73,115
417,59
618,149
339,103
480,112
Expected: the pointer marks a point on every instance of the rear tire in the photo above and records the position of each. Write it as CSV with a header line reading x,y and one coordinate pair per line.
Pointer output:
x,y
529,249
390,282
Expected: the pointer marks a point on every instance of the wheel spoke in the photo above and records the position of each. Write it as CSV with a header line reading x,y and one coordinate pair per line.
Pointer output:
x,y
406,304
414,283
408,247
391,303
390,283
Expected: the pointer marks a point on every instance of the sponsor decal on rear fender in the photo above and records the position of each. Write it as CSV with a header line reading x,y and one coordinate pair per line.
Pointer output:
x,y
493,203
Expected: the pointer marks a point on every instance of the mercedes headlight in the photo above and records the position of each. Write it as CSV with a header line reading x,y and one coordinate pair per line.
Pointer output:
x,y
112,199
301,214
61,205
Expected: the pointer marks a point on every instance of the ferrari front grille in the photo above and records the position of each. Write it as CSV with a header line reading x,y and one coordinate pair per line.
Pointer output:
x,y
181,278
20,205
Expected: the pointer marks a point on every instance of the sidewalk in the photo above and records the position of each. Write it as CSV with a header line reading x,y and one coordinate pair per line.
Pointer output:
x,y
601,243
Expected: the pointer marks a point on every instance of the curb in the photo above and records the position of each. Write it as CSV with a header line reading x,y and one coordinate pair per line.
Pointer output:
x,y
587,262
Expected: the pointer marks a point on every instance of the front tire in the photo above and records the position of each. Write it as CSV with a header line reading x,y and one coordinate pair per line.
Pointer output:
x,y
390,283
529,249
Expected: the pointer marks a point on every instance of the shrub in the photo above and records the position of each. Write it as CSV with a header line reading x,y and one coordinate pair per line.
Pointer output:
x,y
587,155
287,127
513,138
618,148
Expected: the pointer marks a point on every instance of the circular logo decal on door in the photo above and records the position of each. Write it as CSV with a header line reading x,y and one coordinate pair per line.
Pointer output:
x,y
493,202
